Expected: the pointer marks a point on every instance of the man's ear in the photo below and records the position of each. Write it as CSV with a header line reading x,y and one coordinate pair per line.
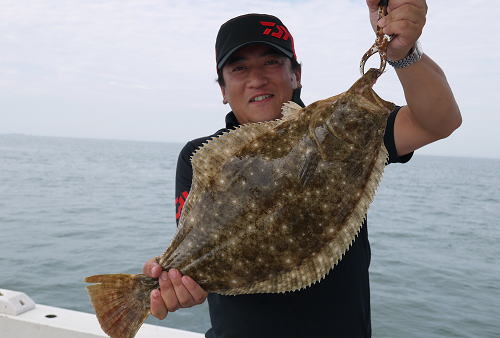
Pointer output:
x,y
223,92
298,75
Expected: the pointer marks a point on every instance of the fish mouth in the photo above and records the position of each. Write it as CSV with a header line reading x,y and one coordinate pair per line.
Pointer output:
x,y
260,98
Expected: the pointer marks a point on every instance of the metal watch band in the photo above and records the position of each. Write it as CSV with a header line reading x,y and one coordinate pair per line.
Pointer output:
x,y
413,56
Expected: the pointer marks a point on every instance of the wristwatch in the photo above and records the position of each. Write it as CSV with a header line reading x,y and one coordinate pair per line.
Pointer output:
x,y
413,56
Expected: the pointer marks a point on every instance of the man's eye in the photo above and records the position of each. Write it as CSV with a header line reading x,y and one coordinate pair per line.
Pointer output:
x,y
238,68
272,62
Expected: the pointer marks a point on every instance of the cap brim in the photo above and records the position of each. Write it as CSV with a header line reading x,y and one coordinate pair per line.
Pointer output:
x,y
228,54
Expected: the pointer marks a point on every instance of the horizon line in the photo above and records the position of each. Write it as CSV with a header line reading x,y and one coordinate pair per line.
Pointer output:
x,y
419,151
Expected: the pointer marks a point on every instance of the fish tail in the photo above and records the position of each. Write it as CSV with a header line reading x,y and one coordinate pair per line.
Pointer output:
x,y
121,302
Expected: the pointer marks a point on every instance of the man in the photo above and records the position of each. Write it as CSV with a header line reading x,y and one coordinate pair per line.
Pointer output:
x,y
258,72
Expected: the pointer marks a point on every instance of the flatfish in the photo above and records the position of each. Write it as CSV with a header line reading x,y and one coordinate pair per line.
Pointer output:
x,y
273,206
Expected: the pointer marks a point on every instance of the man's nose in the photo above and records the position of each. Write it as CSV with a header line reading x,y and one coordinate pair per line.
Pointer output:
x,y
257,77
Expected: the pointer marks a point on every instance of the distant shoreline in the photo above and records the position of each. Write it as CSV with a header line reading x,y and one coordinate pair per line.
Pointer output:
x,y
88,138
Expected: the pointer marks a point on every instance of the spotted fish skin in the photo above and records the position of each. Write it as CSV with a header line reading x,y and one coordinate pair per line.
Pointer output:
x,y
275,205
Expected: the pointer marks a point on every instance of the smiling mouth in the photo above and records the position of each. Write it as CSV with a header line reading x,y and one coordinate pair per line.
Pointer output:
x,y
261,98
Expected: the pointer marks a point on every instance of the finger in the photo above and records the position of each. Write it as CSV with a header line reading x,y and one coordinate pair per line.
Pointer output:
x,y
184,297
407,12
405,31
157,307
146,269
152,269
168,293
372,4
199,295
395,4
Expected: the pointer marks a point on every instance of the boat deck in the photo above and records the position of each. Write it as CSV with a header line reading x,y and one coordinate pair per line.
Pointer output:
x,y
21,317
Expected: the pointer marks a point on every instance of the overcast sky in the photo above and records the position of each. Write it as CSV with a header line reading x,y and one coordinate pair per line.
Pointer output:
x,y
145,69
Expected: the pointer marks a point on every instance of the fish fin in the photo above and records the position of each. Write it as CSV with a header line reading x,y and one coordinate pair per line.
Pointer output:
x,y
290,109
221,148
121,302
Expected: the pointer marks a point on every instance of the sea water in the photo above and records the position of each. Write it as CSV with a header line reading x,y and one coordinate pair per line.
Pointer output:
x,y
70,208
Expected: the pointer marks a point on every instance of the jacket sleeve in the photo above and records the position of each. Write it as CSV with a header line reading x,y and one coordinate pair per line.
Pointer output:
x,y
389,142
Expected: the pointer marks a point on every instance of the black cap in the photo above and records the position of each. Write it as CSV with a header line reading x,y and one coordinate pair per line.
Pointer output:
x,y
252,28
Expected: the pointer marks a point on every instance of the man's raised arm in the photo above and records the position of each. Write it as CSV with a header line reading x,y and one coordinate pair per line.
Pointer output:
x,y
431,112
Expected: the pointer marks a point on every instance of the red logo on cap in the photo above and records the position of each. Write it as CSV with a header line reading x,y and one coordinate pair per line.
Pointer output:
x,y
281,32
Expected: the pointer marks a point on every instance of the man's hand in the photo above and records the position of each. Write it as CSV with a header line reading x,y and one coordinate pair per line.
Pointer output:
x,y
176,291
405,20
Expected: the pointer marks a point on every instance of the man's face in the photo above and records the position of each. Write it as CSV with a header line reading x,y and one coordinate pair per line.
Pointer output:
x,y
258,80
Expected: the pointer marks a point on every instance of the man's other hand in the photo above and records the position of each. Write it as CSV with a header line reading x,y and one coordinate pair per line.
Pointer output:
x,y
176,291
405,20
